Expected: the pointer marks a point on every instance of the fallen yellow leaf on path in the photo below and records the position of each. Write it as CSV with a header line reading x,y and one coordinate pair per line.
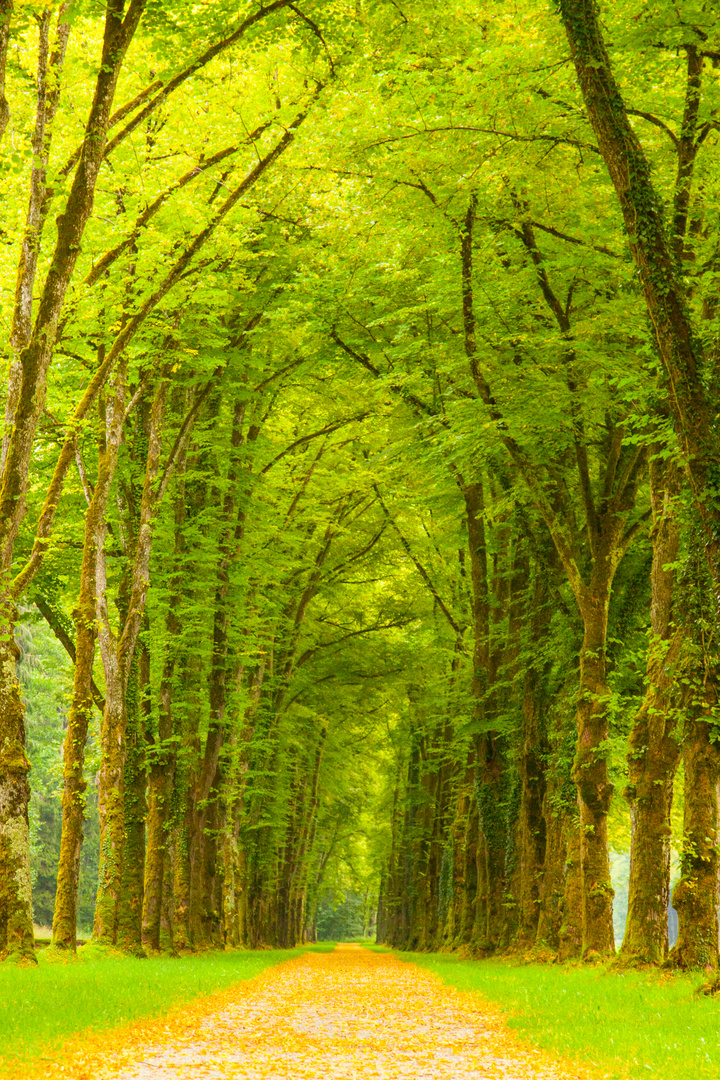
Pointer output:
x,y
346,1015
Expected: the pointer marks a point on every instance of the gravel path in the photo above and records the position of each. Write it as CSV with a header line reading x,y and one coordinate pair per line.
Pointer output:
x,y
335,1016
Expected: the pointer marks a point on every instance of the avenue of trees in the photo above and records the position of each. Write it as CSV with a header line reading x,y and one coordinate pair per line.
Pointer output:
x,y
360,473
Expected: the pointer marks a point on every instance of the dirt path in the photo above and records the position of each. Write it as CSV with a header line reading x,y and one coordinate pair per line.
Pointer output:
x,y
346,1015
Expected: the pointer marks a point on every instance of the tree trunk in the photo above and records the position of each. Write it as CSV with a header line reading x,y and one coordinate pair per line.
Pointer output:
x,y
654,746
85,619
532,825
590,773
202,842
64,932
17,940
130,906
166,942
552,883
571,932
111,805
471,881
459,885
157,885
660,272
492,806
161,778
113,727
532,839
695,897
182,941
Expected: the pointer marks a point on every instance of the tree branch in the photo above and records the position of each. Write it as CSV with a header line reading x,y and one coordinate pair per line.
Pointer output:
x,y
327,430
54,620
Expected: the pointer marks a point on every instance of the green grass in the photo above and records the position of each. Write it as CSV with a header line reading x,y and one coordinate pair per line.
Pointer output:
x,y
632,1024
41,1007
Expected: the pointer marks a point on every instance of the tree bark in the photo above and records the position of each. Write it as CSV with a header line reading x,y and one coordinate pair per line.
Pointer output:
x,y
532,765
130,905
590,773
181,882
654,746
111,796
167,904
85,619
161,778
17,941
552,883
163,755
74,784
462,841
202,843
695,897
571,935
490,792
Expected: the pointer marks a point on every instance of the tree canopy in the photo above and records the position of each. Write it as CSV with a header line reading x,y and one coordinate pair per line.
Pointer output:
x,y
358,493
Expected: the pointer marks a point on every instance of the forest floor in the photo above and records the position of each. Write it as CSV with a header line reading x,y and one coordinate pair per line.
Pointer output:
x,y
347,1015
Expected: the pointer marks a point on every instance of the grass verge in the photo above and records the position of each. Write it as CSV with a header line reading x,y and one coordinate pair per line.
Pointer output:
x,y
41,1007
630,1024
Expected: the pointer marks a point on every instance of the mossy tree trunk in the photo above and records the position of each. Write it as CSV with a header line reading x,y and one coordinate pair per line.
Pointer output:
x,y
64,932
166,938
17,941
552,881
570,934
114,721
532,825
654,744
157,885
111,805
85,618
473,878
560,917
202,841
695,897
491,795
441,808
657,250
590,773
234,854
462,873
182,939
130,906
161,779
